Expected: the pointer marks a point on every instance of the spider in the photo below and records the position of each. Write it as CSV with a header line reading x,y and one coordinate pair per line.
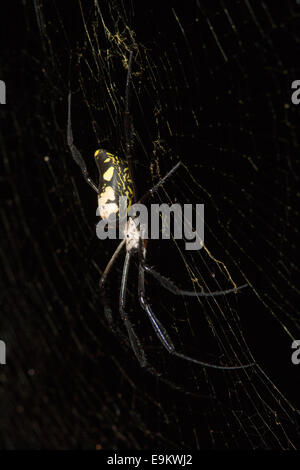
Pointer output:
x,y
116,179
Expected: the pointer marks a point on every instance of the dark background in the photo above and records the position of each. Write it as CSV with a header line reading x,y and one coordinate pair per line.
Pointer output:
x,y
69,383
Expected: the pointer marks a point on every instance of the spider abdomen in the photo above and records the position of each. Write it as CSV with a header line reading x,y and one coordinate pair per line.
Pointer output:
x,y
114,182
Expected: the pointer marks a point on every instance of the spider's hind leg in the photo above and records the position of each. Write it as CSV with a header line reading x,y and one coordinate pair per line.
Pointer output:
x,y
161,182
75,152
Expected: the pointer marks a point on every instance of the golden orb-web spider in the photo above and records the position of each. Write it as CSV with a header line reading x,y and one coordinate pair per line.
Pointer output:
x,y
116,179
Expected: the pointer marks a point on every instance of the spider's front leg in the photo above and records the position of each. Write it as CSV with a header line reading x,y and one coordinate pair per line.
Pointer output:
x,y
134,340
159,329
102,282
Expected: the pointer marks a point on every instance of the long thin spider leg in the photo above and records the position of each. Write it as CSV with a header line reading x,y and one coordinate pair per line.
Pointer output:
x,y
170,286
104,300
160,329
152,190
134,340
128,127
74,150
128,137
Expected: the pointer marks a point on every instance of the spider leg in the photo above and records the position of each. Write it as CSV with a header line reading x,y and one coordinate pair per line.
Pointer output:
x,y
128,127
159,329
104,300
170,286
75,152
134,340
128,130
152,190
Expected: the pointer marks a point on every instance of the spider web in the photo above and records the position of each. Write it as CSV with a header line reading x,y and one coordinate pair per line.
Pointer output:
x,y
211,87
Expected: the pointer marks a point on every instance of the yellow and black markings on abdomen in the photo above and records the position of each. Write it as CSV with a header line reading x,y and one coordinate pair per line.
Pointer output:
x,y
114,182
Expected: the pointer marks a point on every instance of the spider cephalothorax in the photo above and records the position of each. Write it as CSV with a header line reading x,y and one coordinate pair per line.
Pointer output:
x,y
116,179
